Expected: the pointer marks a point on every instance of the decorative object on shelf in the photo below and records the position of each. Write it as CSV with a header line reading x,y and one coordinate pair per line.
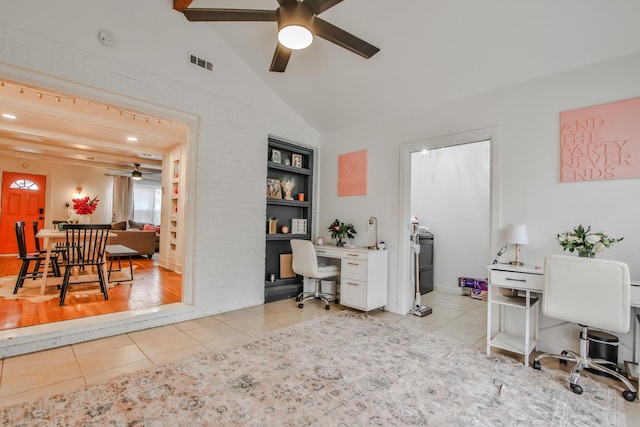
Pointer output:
x,y
296,160
288,183
273,189
341,231
276,156
298,226
517,235
301,197
272,225
287,161
284,229
584,241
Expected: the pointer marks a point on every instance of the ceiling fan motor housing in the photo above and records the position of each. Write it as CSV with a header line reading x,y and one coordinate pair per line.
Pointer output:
x,y
295,14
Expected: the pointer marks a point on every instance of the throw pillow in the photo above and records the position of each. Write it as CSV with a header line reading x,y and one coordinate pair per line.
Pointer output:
x,y
136,225
150,227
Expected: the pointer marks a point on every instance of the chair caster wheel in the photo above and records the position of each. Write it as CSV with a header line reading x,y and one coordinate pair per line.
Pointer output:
x,y
577,389
629,396
563,362
327,307
297,298
536,365
300,305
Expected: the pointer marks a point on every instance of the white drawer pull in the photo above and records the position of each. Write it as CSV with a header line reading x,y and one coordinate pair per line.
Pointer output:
x,y
517,280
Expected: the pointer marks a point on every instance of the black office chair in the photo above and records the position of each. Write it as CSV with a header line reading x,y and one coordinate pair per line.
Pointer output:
x,y
27,258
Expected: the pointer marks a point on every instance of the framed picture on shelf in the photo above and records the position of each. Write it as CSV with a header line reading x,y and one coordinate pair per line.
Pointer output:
x,y
276,156
274,190
296,160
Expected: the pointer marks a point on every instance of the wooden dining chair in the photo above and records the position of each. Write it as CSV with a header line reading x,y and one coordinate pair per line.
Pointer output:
x,y
85,248
27,258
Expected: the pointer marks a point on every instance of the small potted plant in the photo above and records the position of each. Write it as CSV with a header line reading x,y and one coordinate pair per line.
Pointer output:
x,y
584,241
341,231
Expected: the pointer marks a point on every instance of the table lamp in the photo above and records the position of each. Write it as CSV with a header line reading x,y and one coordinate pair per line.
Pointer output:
x,y
517,235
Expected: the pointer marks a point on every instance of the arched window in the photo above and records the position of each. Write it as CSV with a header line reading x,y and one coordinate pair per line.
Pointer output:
x,y
24,184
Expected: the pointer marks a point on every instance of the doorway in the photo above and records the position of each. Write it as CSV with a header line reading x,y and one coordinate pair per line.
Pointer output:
x,y
406,287
450,195
23,199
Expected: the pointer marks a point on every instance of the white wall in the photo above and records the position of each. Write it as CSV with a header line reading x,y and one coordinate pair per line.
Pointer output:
x,y
531,192
450,194
231,110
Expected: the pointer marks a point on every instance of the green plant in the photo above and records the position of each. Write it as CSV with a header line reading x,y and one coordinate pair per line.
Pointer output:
x,y
339,230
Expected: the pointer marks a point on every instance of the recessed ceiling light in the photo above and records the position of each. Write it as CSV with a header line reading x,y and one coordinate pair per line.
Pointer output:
x,y
8,116
132,138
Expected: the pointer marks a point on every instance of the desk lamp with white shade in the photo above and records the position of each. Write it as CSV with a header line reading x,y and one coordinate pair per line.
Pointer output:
x,y
517,235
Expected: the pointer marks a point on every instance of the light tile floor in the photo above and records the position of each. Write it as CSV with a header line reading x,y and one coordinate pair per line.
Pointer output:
x,y
48,372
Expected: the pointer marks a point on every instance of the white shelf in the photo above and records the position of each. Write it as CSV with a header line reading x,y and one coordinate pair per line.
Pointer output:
x,y
512,343
520,302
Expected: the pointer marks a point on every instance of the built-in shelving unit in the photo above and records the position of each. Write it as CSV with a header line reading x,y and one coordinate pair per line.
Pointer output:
x,y
174,217
286,161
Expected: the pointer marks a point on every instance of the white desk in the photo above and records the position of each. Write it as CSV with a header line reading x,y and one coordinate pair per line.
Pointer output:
x,y
528,283
363,276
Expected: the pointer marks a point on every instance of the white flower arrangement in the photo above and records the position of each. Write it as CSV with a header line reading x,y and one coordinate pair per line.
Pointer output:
x,y
583,240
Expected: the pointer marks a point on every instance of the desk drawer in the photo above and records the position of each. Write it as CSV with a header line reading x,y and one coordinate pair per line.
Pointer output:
x,y
328,252
534,282
355,269
353,293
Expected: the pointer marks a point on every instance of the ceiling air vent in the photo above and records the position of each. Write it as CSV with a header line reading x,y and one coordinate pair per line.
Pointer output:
x,y
196,60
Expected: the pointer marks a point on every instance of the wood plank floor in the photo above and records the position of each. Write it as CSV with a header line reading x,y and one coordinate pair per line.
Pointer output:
x,y
153,286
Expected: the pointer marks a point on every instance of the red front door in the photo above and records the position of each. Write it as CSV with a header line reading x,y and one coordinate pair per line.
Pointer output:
x,y
23,198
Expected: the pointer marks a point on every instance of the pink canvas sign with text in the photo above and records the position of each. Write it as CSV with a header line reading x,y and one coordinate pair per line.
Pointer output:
x,y
600,142
352,174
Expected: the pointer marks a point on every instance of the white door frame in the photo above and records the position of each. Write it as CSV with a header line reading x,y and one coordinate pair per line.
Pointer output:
x,y
406,290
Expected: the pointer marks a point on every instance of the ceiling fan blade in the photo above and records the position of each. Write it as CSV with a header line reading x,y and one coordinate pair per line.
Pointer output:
x,y
282,2
319,6
280,59
342,38
229,15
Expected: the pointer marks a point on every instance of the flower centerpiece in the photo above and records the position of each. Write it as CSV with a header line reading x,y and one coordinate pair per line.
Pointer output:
x,y
584,241
84,206
341,231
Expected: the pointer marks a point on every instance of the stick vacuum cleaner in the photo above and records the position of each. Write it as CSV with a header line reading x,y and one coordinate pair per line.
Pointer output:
x,y
418,309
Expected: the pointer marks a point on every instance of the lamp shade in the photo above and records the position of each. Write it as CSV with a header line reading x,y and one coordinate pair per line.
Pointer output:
x,y
517,234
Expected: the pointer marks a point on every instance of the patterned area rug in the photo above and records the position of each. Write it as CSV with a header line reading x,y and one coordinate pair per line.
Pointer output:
x,y
344,369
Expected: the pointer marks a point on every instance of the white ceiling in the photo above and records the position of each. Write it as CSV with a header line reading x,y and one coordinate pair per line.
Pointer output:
x,y
432,51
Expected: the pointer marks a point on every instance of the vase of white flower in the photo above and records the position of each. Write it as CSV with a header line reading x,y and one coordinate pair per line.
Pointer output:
x,y
585,242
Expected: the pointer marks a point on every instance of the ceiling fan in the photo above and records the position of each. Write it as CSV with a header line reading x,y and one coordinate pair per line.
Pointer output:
x,y
297,24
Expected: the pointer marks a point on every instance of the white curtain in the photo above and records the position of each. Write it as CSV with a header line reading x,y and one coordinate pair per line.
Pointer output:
x,y
122,198
148,201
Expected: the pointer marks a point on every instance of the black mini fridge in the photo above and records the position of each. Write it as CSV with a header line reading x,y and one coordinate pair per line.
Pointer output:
x,y
426,262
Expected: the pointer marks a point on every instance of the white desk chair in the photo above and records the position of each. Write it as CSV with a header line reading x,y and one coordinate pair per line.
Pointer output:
x,y
305,263
591,292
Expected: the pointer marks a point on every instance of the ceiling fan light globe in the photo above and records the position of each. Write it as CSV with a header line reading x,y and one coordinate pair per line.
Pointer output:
x,y
137,175
295,37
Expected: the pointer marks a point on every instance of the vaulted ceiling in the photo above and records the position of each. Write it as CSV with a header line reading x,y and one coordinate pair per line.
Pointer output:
x,y
431,52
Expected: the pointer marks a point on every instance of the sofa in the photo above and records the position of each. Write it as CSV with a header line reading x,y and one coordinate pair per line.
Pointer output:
x,y
134,235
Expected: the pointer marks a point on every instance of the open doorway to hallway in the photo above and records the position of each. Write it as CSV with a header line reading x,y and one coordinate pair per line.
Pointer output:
x,y
450,198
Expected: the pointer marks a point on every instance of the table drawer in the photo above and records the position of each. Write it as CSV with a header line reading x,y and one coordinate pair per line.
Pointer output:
x,y
534,282
355,269
353,293
328,252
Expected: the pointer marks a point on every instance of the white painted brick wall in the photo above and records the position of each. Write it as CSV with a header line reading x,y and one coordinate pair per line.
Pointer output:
x,y
228,195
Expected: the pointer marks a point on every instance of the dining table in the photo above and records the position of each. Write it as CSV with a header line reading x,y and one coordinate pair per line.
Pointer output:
x,y
49,238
